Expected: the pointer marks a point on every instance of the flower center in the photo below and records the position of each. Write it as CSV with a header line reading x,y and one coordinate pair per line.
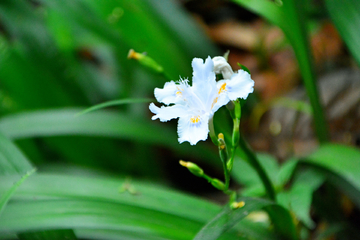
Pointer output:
x,y
195,119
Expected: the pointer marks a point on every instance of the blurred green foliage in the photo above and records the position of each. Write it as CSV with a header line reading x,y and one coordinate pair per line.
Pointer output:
x,y
58,54
58,58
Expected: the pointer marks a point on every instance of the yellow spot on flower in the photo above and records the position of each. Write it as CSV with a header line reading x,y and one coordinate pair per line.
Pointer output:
x,y
195,119
215,101
179,91
222,88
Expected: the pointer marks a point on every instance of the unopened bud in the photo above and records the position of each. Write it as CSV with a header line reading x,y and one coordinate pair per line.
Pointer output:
x,y
223,67
221,141
217,184
145,60
193,168
236,205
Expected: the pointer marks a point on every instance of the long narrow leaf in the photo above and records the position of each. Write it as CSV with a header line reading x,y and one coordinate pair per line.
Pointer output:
x,y
291,18
267,9
12,161
5,197
114,103
107,210
229,217
63,122
148,196
346,16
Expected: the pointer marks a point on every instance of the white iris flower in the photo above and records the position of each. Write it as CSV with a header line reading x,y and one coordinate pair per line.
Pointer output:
x,y
195,105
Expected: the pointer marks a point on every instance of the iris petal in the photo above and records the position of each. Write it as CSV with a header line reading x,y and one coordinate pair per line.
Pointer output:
x,y
204,80
240,85
193,128
166,95
167,113
218,102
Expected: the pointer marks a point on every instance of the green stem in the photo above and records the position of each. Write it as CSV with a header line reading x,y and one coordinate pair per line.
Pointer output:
x,y
224,159
235,143
254,162
227,176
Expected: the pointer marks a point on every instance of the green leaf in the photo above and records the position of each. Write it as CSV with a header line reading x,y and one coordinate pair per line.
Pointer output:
x,y
299,198
340,159
292,19
114,103
5,197
95,204
342,167
346,16
49,235
101,123
245,174
12,161
64,122
150,195
243,67
53,202
94,214
227,218
286,171
267,9
283,222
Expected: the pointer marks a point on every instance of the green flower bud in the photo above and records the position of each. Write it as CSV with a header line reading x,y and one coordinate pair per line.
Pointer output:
x,y
145,60
217,184
222,148
193,168
236,205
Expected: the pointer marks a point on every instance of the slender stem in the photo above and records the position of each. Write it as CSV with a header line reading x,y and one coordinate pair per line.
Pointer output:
x,y
235,143
224,159
227,175
254,162
212,132
208,178
236,133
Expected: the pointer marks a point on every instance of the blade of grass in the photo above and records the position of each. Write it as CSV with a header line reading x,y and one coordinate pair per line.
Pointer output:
x,y
101,123
63,201
77,214
5,197
346,16
114,103
267,9
228,217
12,160
296,31
48,235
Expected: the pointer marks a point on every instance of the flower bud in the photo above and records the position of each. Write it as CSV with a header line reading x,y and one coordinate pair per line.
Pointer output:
x,y
222,148
193,168
223,67
221,141
217,184
236,205
145,60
